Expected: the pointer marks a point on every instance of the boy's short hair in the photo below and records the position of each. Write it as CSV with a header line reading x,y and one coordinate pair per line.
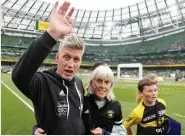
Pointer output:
x,y
143,82
153,77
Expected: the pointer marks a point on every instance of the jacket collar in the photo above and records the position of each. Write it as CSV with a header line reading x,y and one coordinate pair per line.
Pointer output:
x,y
53,73
92,98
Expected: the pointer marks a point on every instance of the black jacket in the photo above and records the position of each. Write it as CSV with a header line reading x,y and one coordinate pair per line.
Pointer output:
x,y
106,117
57,102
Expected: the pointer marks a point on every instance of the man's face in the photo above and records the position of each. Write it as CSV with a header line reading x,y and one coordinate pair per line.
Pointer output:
x,y
68,61
101,87
150,94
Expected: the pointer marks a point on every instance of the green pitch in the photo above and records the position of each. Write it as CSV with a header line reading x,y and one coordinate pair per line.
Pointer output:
x,y
18,119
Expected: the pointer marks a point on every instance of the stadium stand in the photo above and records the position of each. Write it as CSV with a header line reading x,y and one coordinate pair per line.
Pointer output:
x,y
148,32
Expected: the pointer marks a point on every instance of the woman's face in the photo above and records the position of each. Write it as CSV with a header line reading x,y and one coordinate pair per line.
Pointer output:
x,y
101,87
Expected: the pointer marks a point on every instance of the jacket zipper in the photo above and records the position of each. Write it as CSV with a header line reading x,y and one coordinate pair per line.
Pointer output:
x,y
67,99
81,107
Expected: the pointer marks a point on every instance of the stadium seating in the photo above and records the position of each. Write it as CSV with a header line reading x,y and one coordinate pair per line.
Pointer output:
x,y
159,51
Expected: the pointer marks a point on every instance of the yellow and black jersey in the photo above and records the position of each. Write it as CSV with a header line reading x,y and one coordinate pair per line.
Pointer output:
x,y
145,116
107,117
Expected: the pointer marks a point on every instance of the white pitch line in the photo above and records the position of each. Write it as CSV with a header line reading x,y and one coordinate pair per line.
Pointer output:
x,y
30,107
179,115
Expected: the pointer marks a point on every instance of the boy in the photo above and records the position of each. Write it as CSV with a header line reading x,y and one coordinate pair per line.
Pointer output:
x,y
148,115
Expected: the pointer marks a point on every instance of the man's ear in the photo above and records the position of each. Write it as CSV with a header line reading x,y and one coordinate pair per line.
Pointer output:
x,y
57,57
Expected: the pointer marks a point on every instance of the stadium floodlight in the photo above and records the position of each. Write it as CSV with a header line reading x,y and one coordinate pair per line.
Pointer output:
x,y
130,75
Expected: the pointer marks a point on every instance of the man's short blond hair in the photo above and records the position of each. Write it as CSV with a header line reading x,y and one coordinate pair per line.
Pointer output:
x,y
72,41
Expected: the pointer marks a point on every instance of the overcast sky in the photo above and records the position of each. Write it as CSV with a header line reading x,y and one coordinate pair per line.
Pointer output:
x,y
100,4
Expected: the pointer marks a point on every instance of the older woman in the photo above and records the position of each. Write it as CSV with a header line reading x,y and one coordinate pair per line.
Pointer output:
x,y
102,113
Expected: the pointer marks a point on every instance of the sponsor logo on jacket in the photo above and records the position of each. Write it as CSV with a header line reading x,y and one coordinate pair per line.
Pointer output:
x,y
61,108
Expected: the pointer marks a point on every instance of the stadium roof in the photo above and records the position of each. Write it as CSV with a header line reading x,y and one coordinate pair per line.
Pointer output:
x,y
137,21
99,4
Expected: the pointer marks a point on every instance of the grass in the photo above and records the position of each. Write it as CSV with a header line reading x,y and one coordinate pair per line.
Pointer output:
x,y
17,119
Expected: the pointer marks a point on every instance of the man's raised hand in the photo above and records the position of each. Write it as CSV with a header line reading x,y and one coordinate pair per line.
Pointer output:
x,y
61,23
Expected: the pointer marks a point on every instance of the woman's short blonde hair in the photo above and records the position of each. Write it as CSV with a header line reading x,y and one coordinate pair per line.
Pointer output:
x,y
102,72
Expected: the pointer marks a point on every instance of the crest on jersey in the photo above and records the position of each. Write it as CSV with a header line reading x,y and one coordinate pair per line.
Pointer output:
x,y
110,114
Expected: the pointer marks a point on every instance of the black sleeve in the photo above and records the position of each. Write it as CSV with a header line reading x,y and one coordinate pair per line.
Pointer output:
x,y
118,119
24,71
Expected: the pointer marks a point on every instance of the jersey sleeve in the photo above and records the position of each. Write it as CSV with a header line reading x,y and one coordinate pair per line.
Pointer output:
x,y
119,118
118,128
131,120
162,101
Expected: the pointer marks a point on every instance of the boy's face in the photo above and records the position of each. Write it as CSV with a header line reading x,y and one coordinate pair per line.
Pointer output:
x,y
149,94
